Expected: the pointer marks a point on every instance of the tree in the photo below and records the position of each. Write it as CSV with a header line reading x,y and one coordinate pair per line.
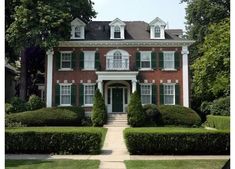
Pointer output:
x,y
99,113
43,23
212,69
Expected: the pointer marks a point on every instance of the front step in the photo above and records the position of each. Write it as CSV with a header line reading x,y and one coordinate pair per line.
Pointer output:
x,y
117,120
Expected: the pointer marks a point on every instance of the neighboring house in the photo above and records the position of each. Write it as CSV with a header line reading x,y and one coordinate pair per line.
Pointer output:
x,y
10,81
119,57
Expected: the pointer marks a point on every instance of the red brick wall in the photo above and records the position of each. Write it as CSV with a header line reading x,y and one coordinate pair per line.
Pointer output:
x,y
85,75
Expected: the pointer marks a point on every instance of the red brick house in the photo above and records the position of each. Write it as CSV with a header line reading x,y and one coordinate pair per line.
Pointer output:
x,y
119,57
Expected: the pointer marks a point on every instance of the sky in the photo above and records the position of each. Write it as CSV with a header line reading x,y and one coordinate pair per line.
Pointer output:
x,y
171,11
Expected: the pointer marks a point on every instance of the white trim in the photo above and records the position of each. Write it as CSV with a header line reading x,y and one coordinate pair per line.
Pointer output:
x,y
49,77
65,69
146,84
65,84
150,60
77,22
104,75
185,53
87,84
86,54
169,84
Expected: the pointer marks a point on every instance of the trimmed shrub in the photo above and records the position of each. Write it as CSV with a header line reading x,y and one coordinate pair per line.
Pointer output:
x,y
218,122
221,106
8,108
54,140
64,116
152,113
135,115
35,102
99,113
18,105
176,141
179,115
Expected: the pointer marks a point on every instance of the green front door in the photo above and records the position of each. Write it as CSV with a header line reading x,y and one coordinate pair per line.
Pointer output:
x,y
117,99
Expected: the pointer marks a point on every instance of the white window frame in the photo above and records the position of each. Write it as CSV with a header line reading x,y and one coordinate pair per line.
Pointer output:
x,y
150,95
117,30
61,60
173,60
157,27
84,97
141,60
61,85
80,31
169,84
86,54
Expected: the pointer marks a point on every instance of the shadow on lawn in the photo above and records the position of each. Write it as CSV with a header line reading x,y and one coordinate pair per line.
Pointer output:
x,y
26,163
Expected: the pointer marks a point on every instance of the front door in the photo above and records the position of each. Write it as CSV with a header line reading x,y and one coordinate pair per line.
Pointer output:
x,y
117,99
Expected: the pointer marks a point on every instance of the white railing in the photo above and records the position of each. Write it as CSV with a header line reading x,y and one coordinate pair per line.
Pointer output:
x,y
117,64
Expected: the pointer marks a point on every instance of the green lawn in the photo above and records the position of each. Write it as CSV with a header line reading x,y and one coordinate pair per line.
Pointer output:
x,y
175,164
52,164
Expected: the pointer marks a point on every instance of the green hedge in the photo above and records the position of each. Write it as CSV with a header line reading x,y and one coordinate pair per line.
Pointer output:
x,y
218,122
176,141
178,115
57,140
63,116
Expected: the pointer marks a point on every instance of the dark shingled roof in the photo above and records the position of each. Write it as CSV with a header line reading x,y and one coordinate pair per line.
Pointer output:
x,y
134,30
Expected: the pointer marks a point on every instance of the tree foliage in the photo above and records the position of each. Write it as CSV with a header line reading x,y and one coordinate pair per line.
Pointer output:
x,y
212,70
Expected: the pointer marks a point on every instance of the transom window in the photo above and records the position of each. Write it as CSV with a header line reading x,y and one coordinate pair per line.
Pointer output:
x,y
66,60
65,94
89,91
145,59
117,32
89,60
146,90
77,33
169,60
157,31
169,94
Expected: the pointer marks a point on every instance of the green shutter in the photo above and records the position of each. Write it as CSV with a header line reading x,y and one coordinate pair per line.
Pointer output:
x,y
161,94
154,60
57,59
57,94
97,60
161,60
137,59
138,88
81,94
177,94
154,94
74,60
73,94
177,60
81,60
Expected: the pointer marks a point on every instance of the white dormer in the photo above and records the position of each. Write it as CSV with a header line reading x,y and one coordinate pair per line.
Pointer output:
x,y
117,29
77,29
157,29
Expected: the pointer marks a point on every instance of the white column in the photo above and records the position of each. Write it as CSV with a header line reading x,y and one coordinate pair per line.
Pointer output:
x,y
133,86
49,77
100,86
185,53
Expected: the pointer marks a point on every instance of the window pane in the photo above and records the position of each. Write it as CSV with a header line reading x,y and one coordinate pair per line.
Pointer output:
x,y
78,32
66,60
89,94
65,94
169,99
169,62
89,60
145,94
117,35
145,64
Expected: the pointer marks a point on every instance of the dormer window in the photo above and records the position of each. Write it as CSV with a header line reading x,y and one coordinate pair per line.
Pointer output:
x,y
77,33
77,29
157,32
117,32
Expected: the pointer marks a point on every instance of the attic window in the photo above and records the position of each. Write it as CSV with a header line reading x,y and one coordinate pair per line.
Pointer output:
x,y
157,31
117,32
77,33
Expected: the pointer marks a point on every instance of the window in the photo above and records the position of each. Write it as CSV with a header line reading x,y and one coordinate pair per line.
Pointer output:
x,y
77,33
145,59
66,60
146,90
157,32
169,94
65,94
117,32
169,61
117,60
89,91
89,60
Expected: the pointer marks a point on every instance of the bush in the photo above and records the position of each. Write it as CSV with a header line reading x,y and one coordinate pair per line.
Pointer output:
x,y
99,113
18,105
218,122
135,115
8,108
221,106
64,116
152,113
176,141
54,140
35,102
179,115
